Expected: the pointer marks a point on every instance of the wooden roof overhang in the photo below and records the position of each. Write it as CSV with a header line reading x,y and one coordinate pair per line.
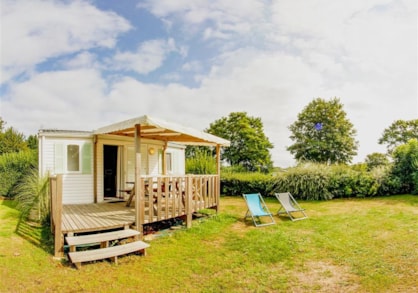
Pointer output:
x,y
157,129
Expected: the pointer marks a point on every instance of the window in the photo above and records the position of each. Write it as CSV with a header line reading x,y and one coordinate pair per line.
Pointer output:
x,y
73,158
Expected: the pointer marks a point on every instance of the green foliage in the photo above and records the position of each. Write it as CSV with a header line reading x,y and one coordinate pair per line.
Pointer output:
x,y
32,142
239,183
33,197
323,134
12,167
398,133
233,169
404,166
2,123
312,181
201,163
250,147
307,181
387,183
12,141
376,160
345,181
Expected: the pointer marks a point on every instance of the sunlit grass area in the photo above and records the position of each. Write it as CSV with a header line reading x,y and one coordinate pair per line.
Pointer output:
x,y
350,245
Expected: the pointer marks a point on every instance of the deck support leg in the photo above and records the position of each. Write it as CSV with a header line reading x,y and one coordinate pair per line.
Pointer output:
x,y
114,259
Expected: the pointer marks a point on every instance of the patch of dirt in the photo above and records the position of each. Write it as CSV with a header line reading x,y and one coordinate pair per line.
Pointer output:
x,y
324,277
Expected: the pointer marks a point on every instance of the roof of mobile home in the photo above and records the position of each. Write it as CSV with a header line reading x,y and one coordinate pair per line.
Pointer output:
x,y
150,128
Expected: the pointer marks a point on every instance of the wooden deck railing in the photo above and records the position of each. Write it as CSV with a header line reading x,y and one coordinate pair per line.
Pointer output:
x,y
160,198
165,197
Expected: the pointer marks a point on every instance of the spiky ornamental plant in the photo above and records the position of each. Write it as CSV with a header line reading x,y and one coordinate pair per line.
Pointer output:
x,y
32,196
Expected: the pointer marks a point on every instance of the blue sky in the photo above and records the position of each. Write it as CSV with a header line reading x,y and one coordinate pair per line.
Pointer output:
x,y
85,64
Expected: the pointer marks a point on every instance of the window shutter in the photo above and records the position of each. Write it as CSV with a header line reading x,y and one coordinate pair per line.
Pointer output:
x,y
59,158
87,155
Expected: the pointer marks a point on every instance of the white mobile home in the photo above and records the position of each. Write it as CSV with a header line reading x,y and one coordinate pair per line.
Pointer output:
x,y
144,157
99,167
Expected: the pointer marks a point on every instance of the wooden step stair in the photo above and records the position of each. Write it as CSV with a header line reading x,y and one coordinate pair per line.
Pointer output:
x,y
104,252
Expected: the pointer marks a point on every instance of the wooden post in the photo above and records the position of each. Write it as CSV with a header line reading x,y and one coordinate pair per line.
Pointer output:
x,y
189,198
218,179
95,168
164,171
139,215
56,214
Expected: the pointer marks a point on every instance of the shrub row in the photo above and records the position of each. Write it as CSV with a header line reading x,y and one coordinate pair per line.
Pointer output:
x,y
239,183
13,166
314,182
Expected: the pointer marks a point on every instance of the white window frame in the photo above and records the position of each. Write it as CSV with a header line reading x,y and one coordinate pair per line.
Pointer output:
x,y
80,167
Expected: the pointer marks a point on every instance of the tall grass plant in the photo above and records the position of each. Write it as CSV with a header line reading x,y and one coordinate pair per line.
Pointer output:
x,y
32,197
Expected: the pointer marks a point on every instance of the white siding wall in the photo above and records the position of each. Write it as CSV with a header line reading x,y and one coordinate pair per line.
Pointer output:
x,y
178,160
77,187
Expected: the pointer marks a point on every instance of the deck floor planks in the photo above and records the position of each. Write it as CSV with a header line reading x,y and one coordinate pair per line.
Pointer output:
x,y
102,216
99,215
68,220
74,217
89,217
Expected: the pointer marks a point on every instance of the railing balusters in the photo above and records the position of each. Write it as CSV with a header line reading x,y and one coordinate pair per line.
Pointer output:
x,y
173,196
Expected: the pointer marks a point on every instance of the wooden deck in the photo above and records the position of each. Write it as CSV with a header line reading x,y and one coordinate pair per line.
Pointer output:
x,y
79,218
183,196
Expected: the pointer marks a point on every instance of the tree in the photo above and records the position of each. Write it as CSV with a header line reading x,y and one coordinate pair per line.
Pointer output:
x,y
12,141
323,133
32,142
405,165
2,123
375,160
250,147
399,132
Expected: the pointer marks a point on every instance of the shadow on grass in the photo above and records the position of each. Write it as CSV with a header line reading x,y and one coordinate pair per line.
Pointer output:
x,y
34,232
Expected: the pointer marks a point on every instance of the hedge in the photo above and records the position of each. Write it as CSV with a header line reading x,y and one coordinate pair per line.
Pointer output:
x,y
314,182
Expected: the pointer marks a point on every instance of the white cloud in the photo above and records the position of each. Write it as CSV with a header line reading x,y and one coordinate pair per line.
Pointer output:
x,y
149,56
34,31
82,60
217,18
61,99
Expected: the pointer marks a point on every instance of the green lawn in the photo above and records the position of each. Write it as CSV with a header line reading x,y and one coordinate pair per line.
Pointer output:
x,y
354,245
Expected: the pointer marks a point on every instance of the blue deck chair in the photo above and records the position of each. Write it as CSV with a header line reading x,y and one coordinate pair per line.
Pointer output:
x,y
256,209
289,206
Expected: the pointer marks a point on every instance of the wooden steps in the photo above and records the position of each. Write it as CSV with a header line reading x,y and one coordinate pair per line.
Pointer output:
x,y
104,252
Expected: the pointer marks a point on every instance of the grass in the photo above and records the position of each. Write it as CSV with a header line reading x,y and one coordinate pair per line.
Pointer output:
x,y
350,245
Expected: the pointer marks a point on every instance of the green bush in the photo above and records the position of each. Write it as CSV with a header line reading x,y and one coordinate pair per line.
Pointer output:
x,y
12,167
239,183
404,166
346,181
320,182
201,163
307,181
387,183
